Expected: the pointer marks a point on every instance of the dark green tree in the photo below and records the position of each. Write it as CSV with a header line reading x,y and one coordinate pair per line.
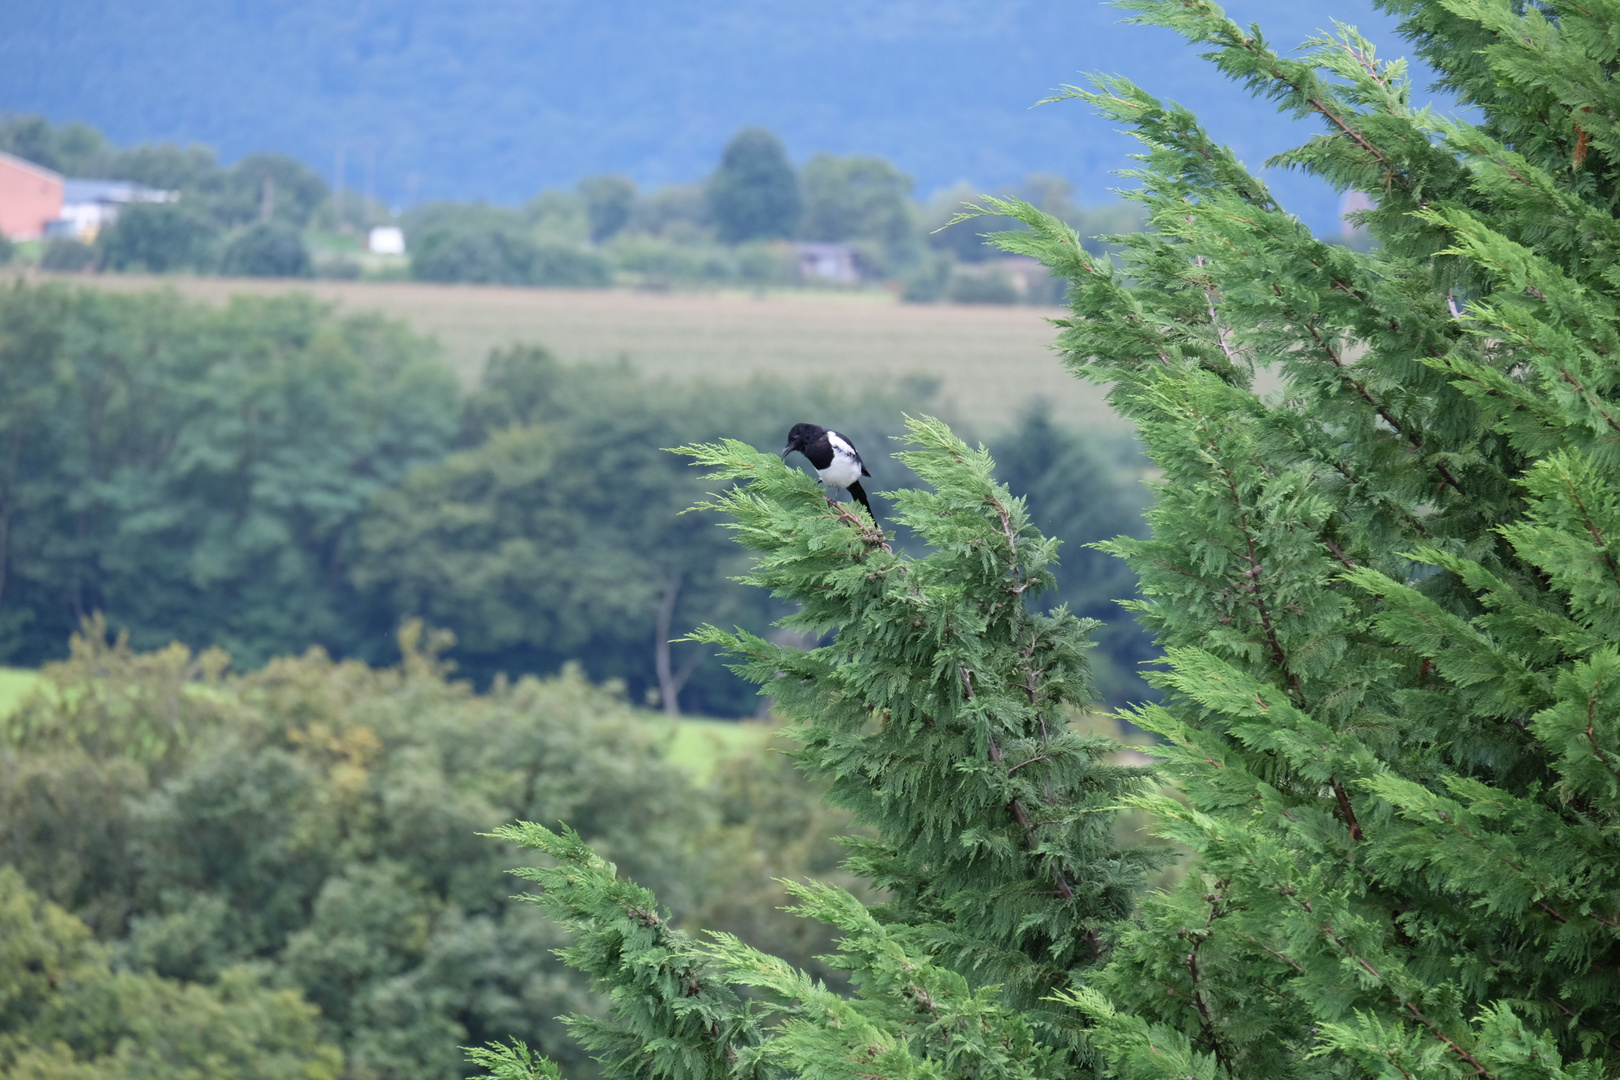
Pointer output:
x,y
265,187
608,202
73,149
197,472
266,249
159,238
475,254
754,193
859,198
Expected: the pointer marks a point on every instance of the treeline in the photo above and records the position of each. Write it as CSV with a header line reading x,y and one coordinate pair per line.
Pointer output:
x,y
267,476
269,215
278,876
729,230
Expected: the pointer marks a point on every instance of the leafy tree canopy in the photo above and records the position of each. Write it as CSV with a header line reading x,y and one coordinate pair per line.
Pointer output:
x,y
311,827
608,200
857,198
163,456
754,193
159,238
67,1014
267,249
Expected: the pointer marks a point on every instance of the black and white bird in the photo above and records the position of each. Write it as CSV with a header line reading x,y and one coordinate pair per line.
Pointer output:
x,y
837,462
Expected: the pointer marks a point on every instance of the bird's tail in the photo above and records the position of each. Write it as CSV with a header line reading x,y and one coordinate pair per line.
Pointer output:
x,y
859,492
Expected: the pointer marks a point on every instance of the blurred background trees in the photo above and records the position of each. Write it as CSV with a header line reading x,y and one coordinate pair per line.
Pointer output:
x,y
754,193
270,215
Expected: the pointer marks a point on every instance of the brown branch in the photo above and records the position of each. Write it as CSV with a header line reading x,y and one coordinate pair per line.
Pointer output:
x,y
1346,809
1589,397
1338,553
1206,1020
1415,439
1434,1029
1020,815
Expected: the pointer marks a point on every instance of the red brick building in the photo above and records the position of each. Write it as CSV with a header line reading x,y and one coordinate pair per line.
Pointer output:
x,y
30,196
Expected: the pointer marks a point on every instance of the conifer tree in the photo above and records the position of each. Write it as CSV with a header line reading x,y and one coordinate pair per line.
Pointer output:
x,y
1386,593
939,717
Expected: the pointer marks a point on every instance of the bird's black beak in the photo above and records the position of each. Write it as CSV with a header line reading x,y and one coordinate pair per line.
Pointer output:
x,y
786,450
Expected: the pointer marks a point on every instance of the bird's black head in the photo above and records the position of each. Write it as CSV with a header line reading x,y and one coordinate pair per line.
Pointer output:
x,y
801,436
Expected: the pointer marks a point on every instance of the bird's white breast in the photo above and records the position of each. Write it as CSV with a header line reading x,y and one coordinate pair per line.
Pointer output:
x,y
845,468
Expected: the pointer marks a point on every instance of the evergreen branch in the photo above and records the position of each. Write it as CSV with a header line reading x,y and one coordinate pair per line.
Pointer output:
x,y
674,1016
961,704
1206,1020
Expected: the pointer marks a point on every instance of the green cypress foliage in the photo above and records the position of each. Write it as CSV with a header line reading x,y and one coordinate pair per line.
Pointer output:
x,y
939,716
1386,589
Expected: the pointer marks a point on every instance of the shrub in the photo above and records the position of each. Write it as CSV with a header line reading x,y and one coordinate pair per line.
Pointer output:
x,y
68,256
560,264
159,238
474,254
267,249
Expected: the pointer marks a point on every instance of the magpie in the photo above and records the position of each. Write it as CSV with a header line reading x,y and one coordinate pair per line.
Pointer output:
x,y
835,458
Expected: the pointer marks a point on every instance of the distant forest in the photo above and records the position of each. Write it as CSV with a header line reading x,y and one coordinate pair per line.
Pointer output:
x,y
496,101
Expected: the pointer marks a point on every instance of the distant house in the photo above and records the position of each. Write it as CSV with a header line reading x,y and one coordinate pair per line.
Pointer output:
x,y
838,263
386,240
30,198
88,205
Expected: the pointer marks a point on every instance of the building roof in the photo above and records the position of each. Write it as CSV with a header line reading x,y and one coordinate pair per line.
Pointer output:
x,y
24,163
110,191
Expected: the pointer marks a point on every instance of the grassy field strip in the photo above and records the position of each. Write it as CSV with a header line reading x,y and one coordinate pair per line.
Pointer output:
x,y
991,360
14,686
698,745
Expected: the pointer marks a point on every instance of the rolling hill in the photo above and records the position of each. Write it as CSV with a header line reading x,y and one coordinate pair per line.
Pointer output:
x,y
499,99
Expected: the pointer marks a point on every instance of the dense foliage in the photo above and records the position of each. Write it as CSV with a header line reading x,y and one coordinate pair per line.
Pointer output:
x,y
1383,593
281,865
1081,490
754,193
265,249
66,1013
198,473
